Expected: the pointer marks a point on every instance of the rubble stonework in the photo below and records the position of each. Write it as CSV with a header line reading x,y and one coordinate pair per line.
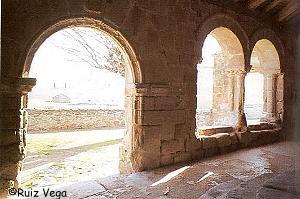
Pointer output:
x,y
163,40
60,120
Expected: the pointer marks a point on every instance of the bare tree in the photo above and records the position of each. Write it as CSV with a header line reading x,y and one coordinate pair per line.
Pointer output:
x,y
92,47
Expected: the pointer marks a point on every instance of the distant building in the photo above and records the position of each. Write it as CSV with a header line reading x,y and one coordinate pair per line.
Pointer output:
x,y
61,98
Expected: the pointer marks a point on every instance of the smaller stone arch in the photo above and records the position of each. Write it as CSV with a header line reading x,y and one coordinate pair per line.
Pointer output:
x,y
225,21
269,38
267,58
264,57
229,68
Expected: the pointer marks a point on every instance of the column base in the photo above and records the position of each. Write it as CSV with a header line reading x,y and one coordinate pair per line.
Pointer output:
x,y
271,118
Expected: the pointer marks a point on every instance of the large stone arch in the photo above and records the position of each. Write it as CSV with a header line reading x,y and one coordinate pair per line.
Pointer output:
x,y
101,26
226,21
133,76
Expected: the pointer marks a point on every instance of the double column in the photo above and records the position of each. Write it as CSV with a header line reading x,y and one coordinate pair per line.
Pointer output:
x,y
240,99
270,98
13,126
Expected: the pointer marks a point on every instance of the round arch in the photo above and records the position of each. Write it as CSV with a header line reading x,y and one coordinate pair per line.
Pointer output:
x,y
136,75
133,76
265,57
273,42
228,22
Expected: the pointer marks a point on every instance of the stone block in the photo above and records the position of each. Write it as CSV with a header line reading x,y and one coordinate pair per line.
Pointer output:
x,y
160,117
167,131
150,159
166,159
8,137
244,138
208,142
181,131
182,157
172,146
165,103
206,132
144,103
211,152
256,135
195,144
12,153
197,154
11,102
151,137
225,149
233,138
223,139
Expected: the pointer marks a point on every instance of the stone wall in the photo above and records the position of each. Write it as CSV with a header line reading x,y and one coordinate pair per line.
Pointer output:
x,y
57,120
163,40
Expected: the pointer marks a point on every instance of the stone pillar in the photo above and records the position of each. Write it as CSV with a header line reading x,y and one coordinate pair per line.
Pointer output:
x,y
240,99
231,94
271,101
159,133
13,126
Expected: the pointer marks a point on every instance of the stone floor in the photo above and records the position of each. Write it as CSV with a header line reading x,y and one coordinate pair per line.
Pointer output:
x,y
77,166
264,172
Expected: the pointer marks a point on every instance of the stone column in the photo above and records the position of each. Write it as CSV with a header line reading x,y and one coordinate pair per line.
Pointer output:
x,y
13,126
231,87
271,87
240,98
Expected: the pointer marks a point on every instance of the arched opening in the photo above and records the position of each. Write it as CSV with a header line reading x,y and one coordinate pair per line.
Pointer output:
x,y
219,92
82,84
265,60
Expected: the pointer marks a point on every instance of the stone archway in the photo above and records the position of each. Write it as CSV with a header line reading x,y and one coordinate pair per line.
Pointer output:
x,y
265,59
229,22
228,79
17,90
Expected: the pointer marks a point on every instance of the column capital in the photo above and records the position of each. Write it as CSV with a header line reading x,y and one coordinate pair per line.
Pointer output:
x,y
235,72
240,73
17,85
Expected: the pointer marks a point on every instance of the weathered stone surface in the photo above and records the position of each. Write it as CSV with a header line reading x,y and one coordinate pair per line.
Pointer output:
x,y
223,139
166,159
168,131
8,137
54,120
244,138
197,154
211,152
208,142
182,157
163,41
172,146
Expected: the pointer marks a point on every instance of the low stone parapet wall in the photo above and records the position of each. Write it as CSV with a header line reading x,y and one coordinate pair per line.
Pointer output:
x,y
57,120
